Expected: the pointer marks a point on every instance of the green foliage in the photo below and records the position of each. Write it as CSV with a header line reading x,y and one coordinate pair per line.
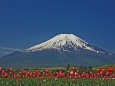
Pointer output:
x,y
68,66
85,69
54,82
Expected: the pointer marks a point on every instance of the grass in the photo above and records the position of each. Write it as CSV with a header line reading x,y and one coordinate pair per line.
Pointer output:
x,y
54,82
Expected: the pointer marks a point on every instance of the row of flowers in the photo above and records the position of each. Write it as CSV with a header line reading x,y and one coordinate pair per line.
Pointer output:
x,y
73,73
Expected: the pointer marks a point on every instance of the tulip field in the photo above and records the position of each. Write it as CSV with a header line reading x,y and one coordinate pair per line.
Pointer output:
x,y
46,77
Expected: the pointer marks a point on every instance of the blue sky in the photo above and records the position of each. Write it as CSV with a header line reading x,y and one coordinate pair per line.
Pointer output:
x,y
24,23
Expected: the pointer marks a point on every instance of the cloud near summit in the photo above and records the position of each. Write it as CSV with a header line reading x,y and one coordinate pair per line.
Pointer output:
x,y
6,50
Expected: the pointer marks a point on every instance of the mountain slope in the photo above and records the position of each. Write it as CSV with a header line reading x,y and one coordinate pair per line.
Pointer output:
x,y
59,51
63,41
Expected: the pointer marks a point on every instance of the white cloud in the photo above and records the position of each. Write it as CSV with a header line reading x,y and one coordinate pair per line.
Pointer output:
x,y
6,51
5,48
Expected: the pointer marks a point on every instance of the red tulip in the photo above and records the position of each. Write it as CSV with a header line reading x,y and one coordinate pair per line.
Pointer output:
x,y
71,73
83,74
76,74
91,72
43,76
98,70
78,71
107,73
6,76
103,71
73,68
10,73
47,70
0,68
113,75
26,76
110,69
60,74
31,74
11,69
87,75
3,72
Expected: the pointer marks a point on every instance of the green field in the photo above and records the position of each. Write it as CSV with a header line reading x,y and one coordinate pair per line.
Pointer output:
x,y
56,82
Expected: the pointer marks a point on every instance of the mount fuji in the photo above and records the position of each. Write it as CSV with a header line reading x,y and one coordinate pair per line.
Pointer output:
x,y
59,51
64,42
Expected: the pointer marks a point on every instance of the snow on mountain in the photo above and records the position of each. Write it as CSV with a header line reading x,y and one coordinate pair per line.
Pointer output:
x,y
62,41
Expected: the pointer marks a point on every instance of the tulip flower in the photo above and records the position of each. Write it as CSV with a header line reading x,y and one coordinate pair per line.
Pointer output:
x,y
0,68
98,70
11,69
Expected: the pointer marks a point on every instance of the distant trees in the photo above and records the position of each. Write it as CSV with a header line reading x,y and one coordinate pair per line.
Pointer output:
x,y
68,66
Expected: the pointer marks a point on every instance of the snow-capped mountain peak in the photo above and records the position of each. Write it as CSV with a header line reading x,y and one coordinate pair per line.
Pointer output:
x,y
62,41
